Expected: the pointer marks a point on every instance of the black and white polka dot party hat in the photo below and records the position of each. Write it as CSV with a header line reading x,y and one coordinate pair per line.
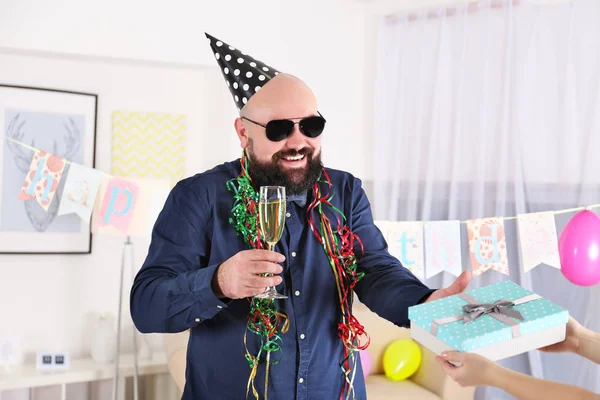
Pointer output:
x,y
243,74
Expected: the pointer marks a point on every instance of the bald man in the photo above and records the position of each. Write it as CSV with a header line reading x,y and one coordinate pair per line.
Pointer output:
x,y
198,272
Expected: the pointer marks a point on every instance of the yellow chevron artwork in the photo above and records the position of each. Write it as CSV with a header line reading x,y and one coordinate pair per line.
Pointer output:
x,y
148,145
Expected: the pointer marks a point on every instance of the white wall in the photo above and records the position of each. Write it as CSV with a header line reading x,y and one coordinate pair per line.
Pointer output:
x,y
150,56
50,302
321,41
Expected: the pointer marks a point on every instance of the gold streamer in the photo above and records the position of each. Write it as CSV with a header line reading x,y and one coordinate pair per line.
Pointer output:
x,y
255,361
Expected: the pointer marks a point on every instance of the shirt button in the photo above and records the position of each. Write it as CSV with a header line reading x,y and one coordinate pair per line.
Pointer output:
x,y
293,254
301,380
288,214
197,320
297,293
302,336
219,306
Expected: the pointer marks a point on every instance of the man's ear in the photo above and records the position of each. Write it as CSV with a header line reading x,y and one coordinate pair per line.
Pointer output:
x,y
242,132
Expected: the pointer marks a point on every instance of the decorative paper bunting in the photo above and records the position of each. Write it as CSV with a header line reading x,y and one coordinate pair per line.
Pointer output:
x,y
405,242
130,206
43,178
151,199
79,194
442,248
118,204
538,239
487,245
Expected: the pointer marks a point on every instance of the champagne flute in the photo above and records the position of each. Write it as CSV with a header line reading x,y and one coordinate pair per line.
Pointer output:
x,y
271,206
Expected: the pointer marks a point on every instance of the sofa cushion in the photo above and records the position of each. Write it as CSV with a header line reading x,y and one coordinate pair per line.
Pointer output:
x,y
379,387
382,333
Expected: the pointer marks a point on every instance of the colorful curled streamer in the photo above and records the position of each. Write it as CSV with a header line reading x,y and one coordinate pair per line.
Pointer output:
x,y
339,246
264,319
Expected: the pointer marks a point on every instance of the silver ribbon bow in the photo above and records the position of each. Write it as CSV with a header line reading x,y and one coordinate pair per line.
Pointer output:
x,y
474,311
499,310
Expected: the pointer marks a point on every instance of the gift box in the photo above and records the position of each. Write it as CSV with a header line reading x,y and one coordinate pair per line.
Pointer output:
x,y
496,321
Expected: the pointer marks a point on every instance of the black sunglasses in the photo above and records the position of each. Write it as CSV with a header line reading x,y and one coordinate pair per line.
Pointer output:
x,y
279,129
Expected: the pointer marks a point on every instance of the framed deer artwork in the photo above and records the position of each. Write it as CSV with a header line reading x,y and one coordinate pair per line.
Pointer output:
x,y
59,122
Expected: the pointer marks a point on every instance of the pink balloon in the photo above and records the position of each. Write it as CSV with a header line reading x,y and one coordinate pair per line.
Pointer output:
x,y
367,362
579,249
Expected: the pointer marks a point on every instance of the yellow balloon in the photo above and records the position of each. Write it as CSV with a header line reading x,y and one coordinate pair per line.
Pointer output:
x,y
401,359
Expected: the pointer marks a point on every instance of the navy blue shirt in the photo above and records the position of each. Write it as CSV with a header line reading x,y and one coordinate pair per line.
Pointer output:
x,y
192,236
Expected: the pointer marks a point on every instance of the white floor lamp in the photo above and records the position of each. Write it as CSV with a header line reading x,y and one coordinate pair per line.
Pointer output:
x,y
127,248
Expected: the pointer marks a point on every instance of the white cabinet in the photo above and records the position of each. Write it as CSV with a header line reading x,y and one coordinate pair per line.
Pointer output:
x,y
157,381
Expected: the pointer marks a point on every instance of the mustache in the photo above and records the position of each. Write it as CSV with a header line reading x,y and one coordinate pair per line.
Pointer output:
x,y
294,153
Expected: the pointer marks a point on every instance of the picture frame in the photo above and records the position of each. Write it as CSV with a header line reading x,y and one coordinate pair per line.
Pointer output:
x,y
61,122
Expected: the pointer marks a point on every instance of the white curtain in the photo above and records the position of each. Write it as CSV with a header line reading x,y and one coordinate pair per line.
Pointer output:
x,y
493,109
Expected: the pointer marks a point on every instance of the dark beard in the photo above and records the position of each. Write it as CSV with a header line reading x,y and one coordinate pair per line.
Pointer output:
x,y
270,174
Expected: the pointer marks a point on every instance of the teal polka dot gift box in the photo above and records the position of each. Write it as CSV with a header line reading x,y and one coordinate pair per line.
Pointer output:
x,y
496,321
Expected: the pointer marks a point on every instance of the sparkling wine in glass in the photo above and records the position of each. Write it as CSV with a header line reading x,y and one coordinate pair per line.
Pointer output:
x,y
271,208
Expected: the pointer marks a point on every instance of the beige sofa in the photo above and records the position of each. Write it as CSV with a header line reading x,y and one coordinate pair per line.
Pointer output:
x,y
428,383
